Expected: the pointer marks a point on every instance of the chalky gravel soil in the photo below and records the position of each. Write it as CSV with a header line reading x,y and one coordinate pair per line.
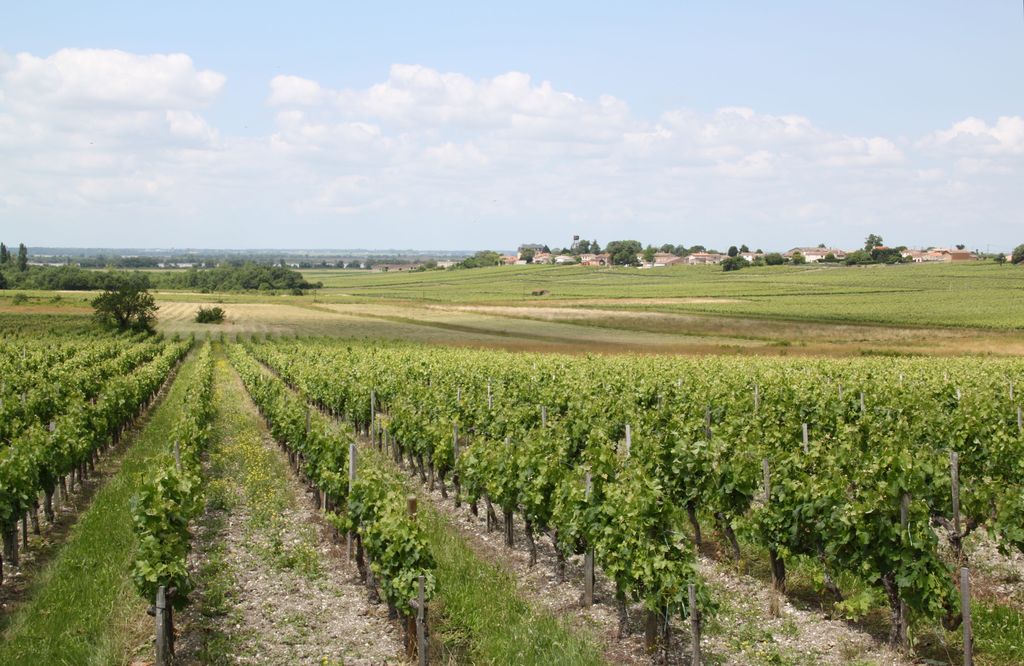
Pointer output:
x,y
271,587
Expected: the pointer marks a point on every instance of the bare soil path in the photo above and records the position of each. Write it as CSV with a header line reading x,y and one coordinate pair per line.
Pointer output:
x,y
742,633
271,587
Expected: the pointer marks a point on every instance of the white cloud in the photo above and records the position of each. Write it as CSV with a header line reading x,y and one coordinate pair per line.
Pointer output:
x,y
95,77
435,159
188,125
295,90
974,135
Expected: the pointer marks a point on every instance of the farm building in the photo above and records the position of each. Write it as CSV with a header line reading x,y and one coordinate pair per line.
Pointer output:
x,y
603,259
814,254
704,258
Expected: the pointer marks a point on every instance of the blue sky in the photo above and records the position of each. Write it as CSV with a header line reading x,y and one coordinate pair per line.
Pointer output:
x,y
773,124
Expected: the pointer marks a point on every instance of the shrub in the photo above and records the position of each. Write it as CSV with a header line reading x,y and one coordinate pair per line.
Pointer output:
x,y
734,264
1018,254
211,315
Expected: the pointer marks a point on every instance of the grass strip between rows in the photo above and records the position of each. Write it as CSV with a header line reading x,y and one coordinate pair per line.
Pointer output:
x,y
479,616
83,608
483,616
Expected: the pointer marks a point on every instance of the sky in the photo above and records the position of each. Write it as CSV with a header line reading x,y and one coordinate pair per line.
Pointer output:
x,y
459,125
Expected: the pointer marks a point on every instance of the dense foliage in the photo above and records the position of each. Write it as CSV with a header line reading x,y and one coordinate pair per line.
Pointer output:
x,y
248,276
210,315
126,304
61,402
624,252
68,278
373,508
866,496
481,259
168,502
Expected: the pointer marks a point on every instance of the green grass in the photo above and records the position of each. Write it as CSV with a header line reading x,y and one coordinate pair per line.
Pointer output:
x,y
980,294
484,620
999,635
480,616
83,609
977,294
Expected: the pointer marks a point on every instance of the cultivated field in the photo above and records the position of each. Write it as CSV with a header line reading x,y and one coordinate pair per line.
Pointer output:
x,y
835,311
780,439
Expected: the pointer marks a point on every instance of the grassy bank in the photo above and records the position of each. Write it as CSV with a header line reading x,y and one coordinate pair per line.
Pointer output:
x,y
83,609
483,619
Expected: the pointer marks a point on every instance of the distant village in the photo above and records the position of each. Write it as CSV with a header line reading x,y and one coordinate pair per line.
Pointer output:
x,y
535,254
633,253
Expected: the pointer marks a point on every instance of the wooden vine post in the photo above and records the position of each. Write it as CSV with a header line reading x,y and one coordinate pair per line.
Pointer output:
x,y
954,477
965,612
456,483
777,565
695,658
411,621
351,483
902,621
163,614
372,427
807,448
588,559
757,398
421,623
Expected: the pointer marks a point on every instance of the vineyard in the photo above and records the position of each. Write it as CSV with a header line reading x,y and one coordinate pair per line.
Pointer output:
x,y
874,470
892,485
62,404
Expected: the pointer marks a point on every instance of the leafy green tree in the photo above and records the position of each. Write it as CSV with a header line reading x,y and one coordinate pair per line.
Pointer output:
x,y
1000,258
22,257
734,263
744,248
889,255
624,252
774,259
872,241
5,254
1018,254
527,255
733,251
798,259
859,257
126,304
481,259
649,252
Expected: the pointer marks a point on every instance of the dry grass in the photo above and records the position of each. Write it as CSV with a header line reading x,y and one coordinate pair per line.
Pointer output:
x,y
580,329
